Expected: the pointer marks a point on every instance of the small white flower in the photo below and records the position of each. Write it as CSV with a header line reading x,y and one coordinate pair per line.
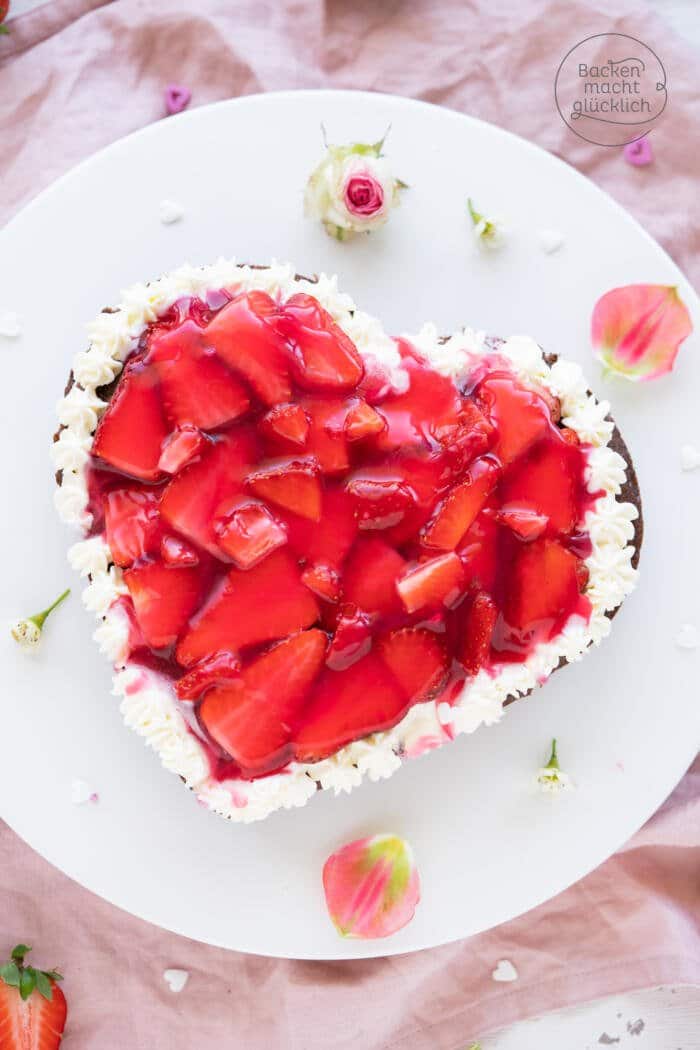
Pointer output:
x,y
505,971
551,779
550,241
688,636
10,328
489,231
690,457
170,212
176,979
27,632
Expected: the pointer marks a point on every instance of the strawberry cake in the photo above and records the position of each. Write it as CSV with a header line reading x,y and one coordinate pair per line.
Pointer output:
x,y
314,550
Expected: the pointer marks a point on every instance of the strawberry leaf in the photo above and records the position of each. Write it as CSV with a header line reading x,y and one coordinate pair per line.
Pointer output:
x,y
27,982
19,952
10,974
54,975
4,31
43,985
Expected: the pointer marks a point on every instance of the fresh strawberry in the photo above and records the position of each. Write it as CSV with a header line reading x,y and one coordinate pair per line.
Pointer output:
x,y
520,415
544,586
175,551
32,1006
135,409
180,447
323,357
196,385
132,524
548,482
4,8
459,508
286,423
346,705
323,581
253,606
418,661
251,717
190,501
370,575
327,439
242,335
479,551
290,483
363,421
352,638
432,583
524,521
249,534
165,598
380,499
477,621
220,667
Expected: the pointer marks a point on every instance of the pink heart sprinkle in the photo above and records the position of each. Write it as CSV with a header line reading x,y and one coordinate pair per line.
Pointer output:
x,y
639,153
177,98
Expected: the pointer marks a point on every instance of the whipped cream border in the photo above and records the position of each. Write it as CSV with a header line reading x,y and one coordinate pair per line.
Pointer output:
x,y
148,702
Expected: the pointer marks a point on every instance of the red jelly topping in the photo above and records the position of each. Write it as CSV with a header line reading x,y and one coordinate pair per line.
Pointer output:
x,y
309,551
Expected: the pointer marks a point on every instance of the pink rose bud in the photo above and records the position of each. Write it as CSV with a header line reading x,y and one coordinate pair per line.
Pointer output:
x,y
363,194
637,330
639,153
177,98
371,886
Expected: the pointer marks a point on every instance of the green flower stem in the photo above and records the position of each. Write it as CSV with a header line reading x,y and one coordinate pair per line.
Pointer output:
x,y
40,618
553,759
475,216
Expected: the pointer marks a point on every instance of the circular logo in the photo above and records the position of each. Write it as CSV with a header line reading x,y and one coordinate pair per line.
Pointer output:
x,y
610,89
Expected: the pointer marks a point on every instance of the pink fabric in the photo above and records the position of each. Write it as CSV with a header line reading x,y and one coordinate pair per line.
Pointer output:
x,y
75,75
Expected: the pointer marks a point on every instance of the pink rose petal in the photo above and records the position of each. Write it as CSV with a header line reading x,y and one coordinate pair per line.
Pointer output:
x,y
639,153
637,330
363,194
371,886
177,98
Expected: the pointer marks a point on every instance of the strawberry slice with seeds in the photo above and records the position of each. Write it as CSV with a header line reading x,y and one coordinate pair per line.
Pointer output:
x,y
346,705
363,421
165,598
520,415
250,717
250,607
179,448
33,1008
327,542
370,575
432,583
460,507
381,501
135,409
548,482
323,357
323,581
244,338
352,638
196,385
212,670
286,423
544,585
249,534
417,659
290,483
132,524
174,551
476,627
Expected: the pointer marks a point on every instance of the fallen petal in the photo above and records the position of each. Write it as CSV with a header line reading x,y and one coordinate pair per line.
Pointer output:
x,y
688,636
371,886
690,457
637,330
170,211
82,792
177,98
10,327
550,241
639,153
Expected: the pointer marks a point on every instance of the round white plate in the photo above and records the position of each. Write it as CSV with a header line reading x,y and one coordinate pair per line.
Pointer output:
x,y
626,717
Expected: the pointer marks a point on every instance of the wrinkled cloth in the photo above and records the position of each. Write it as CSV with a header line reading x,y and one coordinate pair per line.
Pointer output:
x,y
74,76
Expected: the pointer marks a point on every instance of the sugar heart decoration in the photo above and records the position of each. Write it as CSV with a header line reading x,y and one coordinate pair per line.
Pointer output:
x,y
10,327
688,636
177,98
690,457
176,979
550,241
170,212
505,971
639,153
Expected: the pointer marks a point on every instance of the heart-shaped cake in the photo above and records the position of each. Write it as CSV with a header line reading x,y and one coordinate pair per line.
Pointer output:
x,y
316,550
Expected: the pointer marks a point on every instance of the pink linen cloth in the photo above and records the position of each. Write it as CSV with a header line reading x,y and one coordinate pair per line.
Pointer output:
x,y
74,76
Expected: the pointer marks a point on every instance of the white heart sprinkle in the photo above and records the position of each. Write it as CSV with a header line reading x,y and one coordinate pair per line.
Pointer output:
x,y
505,971
690,457
550,241
176,979
10,328
82,792
688,637
170,211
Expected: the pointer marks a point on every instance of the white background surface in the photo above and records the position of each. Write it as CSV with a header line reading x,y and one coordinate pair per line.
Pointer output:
x,y
671,1016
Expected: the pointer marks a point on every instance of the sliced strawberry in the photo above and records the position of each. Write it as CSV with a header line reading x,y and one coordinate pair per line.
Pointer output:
x,y
135,409
381,500
251,717
180,447
323,356
323,581
241,334
370,575
287,423
524,521
548,482
174,551
424,414
544,585
327,440
249,534
352,638
582,575
212,670
132,524
165,598
429,477
363,421
418,661
460,507
479,551
346,705
477,623
253,606
197,386
328,541
191,499
432,583
521,415
32,1006
290,483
